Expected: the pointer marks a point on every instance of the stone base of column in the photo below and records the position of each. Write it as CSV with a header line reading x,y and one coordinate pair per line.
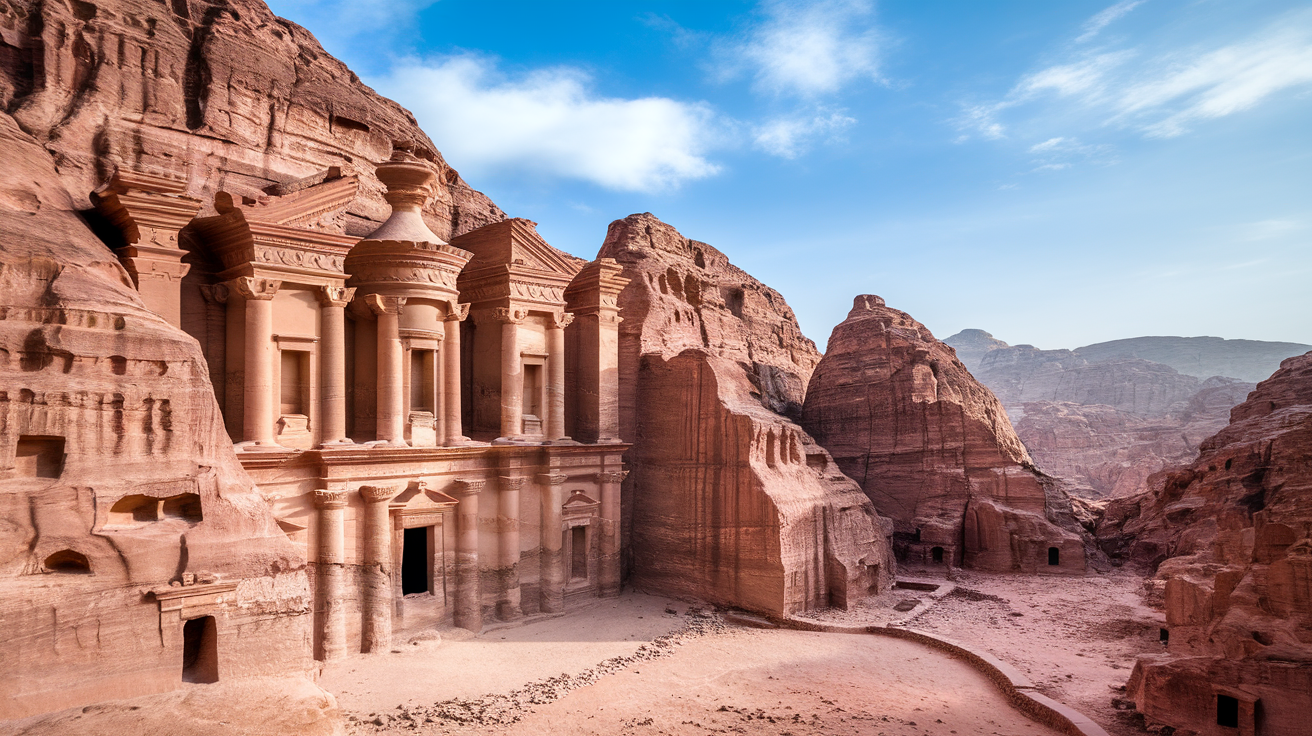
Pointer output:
x,y
259,446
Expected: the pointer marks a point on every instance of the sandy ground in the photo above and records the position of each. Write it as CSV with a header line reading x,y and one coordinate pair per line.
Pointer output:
x,y
602,670
1075,638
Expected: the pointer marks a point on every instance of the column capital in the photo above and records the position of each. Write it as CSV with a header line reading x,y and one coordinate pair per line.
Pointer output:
x,y
380,304
612,476
456,312
330,499
561,321
336,296
512,483
552,479
509,315
253,288
378,494
468,486
216,293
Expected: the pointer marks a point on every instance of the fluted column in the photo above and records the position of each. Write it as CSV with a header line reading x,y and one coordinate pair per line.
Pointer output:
x,y
556,375
451,374
512,372
508,601
258,414
552,561
391,402
609,584
377,568
332,364
469,599
331,574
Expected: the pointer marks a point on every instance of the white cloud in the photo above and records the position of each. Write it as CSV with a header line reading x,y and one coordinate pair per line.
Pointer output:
x,y
1105,18
550,121
806,49
790,137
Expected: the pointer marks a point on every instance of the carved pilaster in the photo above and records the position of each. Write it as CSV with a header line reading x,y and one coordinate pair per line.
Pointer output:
x,y
336,296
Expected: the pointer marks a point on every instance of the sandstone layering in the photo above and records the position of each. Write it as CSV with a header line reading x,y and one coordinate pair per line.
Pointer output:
x,y
933,448
729,500
1231,537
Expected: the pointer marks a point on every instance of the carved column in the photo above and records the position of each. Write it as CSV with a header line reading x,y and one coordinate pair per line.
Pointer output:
x,y
508,602
391,402
451,374
552,561
609,584
556,375
469,598
258,414
593,298
377,629
215,347
331,573
512,372
332,364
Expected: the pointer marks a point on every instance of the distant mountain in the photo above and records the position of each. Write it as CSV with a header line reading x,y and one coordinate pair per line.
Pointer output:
x,y
1204,357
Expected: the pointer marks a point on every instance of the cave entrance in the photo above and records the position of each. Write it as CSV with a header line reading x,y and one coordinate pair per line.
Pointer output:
x,y
1054,556
415,559
200,650
936,555
1164,636
1227,711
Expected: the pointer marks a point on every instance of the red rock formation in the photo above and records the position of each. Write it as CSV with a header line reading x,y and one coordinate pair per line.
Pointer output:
x,y
728,500
118,481
223,94
933,448
1233,535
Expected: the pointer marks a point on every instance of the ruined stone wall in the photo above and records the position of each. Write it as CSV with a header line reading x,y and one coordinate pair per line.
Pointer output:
x,y
728,499
123,510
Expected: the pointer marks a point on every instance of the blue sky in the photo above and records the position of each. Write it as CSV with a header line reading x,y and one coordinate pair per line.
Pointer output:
x,y
1057,173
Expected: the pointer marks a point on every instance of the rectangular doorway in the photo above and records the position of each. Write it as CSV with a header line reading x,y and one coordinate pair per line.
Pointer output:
x,y
578,563
416,561
200,650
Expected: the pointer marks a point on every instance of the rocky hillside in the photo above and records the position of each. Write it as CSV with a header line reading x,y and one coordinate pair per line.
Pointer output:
x,y
728,499
1201,357
1230,537
933,448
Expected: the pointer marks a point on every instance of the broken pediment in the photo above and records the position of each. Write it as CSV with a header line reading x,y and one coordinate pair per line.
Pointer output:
x,y
512,263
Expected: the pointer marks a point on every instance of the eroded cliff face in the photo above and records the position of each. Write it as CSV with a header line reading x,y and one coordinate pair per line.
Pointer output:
x,y
223,94
728,499
933,449
1230,536
123,510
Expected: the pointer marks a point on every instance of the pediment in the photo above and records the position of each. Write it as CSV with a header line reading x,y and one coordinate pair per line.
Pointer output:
x,y
515,245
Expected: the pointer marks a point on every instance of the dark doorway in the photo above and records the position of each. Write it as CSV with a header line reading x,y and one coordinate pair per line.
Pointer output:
x,y
414,561
1054,556
578,564
1227,711
1164,636
936,555
200,650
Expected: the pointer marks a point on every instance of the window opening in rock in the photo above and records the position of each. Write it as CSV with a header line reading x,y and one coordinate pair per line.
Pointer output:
x,y
578,565
936,554
134,509
414,561
1164,635
533,390
200,650
39,457
295,381
1054,556
68,561
184,506
1227,711
423,381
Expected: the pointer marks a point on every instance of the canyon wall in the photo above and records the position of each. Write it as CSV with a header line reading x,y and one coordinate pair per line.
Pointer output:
x,y
934,450
728,499
1230,537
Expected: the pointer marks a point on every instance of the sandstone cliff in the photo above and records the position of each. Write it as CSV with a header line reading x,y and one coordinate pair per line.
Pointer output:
x,y
117,481
933,448
728,499
1230,536
223,94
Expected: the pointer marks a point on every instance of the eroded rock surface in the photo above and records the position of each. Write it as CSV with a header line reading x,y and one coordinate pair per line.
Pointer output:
x,y
728,499
123,510
933,448
1230,536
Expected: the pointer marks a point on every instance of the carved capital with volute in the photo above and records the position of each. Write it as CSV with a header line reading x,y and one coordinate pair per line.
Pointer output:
x,y
336,296
509,315
216,293
512,483
253,288
456,312
552,479
381,304
562,320
468,487
330,499
378,494
612,476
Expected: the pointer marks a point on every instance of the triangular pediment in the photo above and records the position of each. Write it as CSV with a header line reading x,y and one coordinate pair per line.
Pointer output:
x,y
307,207
516,245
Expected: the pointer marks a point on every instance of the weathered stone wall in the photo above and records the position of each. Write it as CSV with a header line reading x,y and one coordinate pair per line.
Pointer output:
x,y
728,499
117,479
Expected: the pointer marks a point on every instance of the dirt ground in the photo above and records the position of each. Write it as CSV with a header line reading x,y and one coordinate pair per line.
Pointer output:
x,y
602,670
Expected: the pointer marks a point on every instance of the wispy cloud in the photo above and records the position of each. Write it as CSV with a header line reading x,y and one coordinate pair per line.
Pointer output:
x,y
1094,25
551,122
790,137
804,49
1163,94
